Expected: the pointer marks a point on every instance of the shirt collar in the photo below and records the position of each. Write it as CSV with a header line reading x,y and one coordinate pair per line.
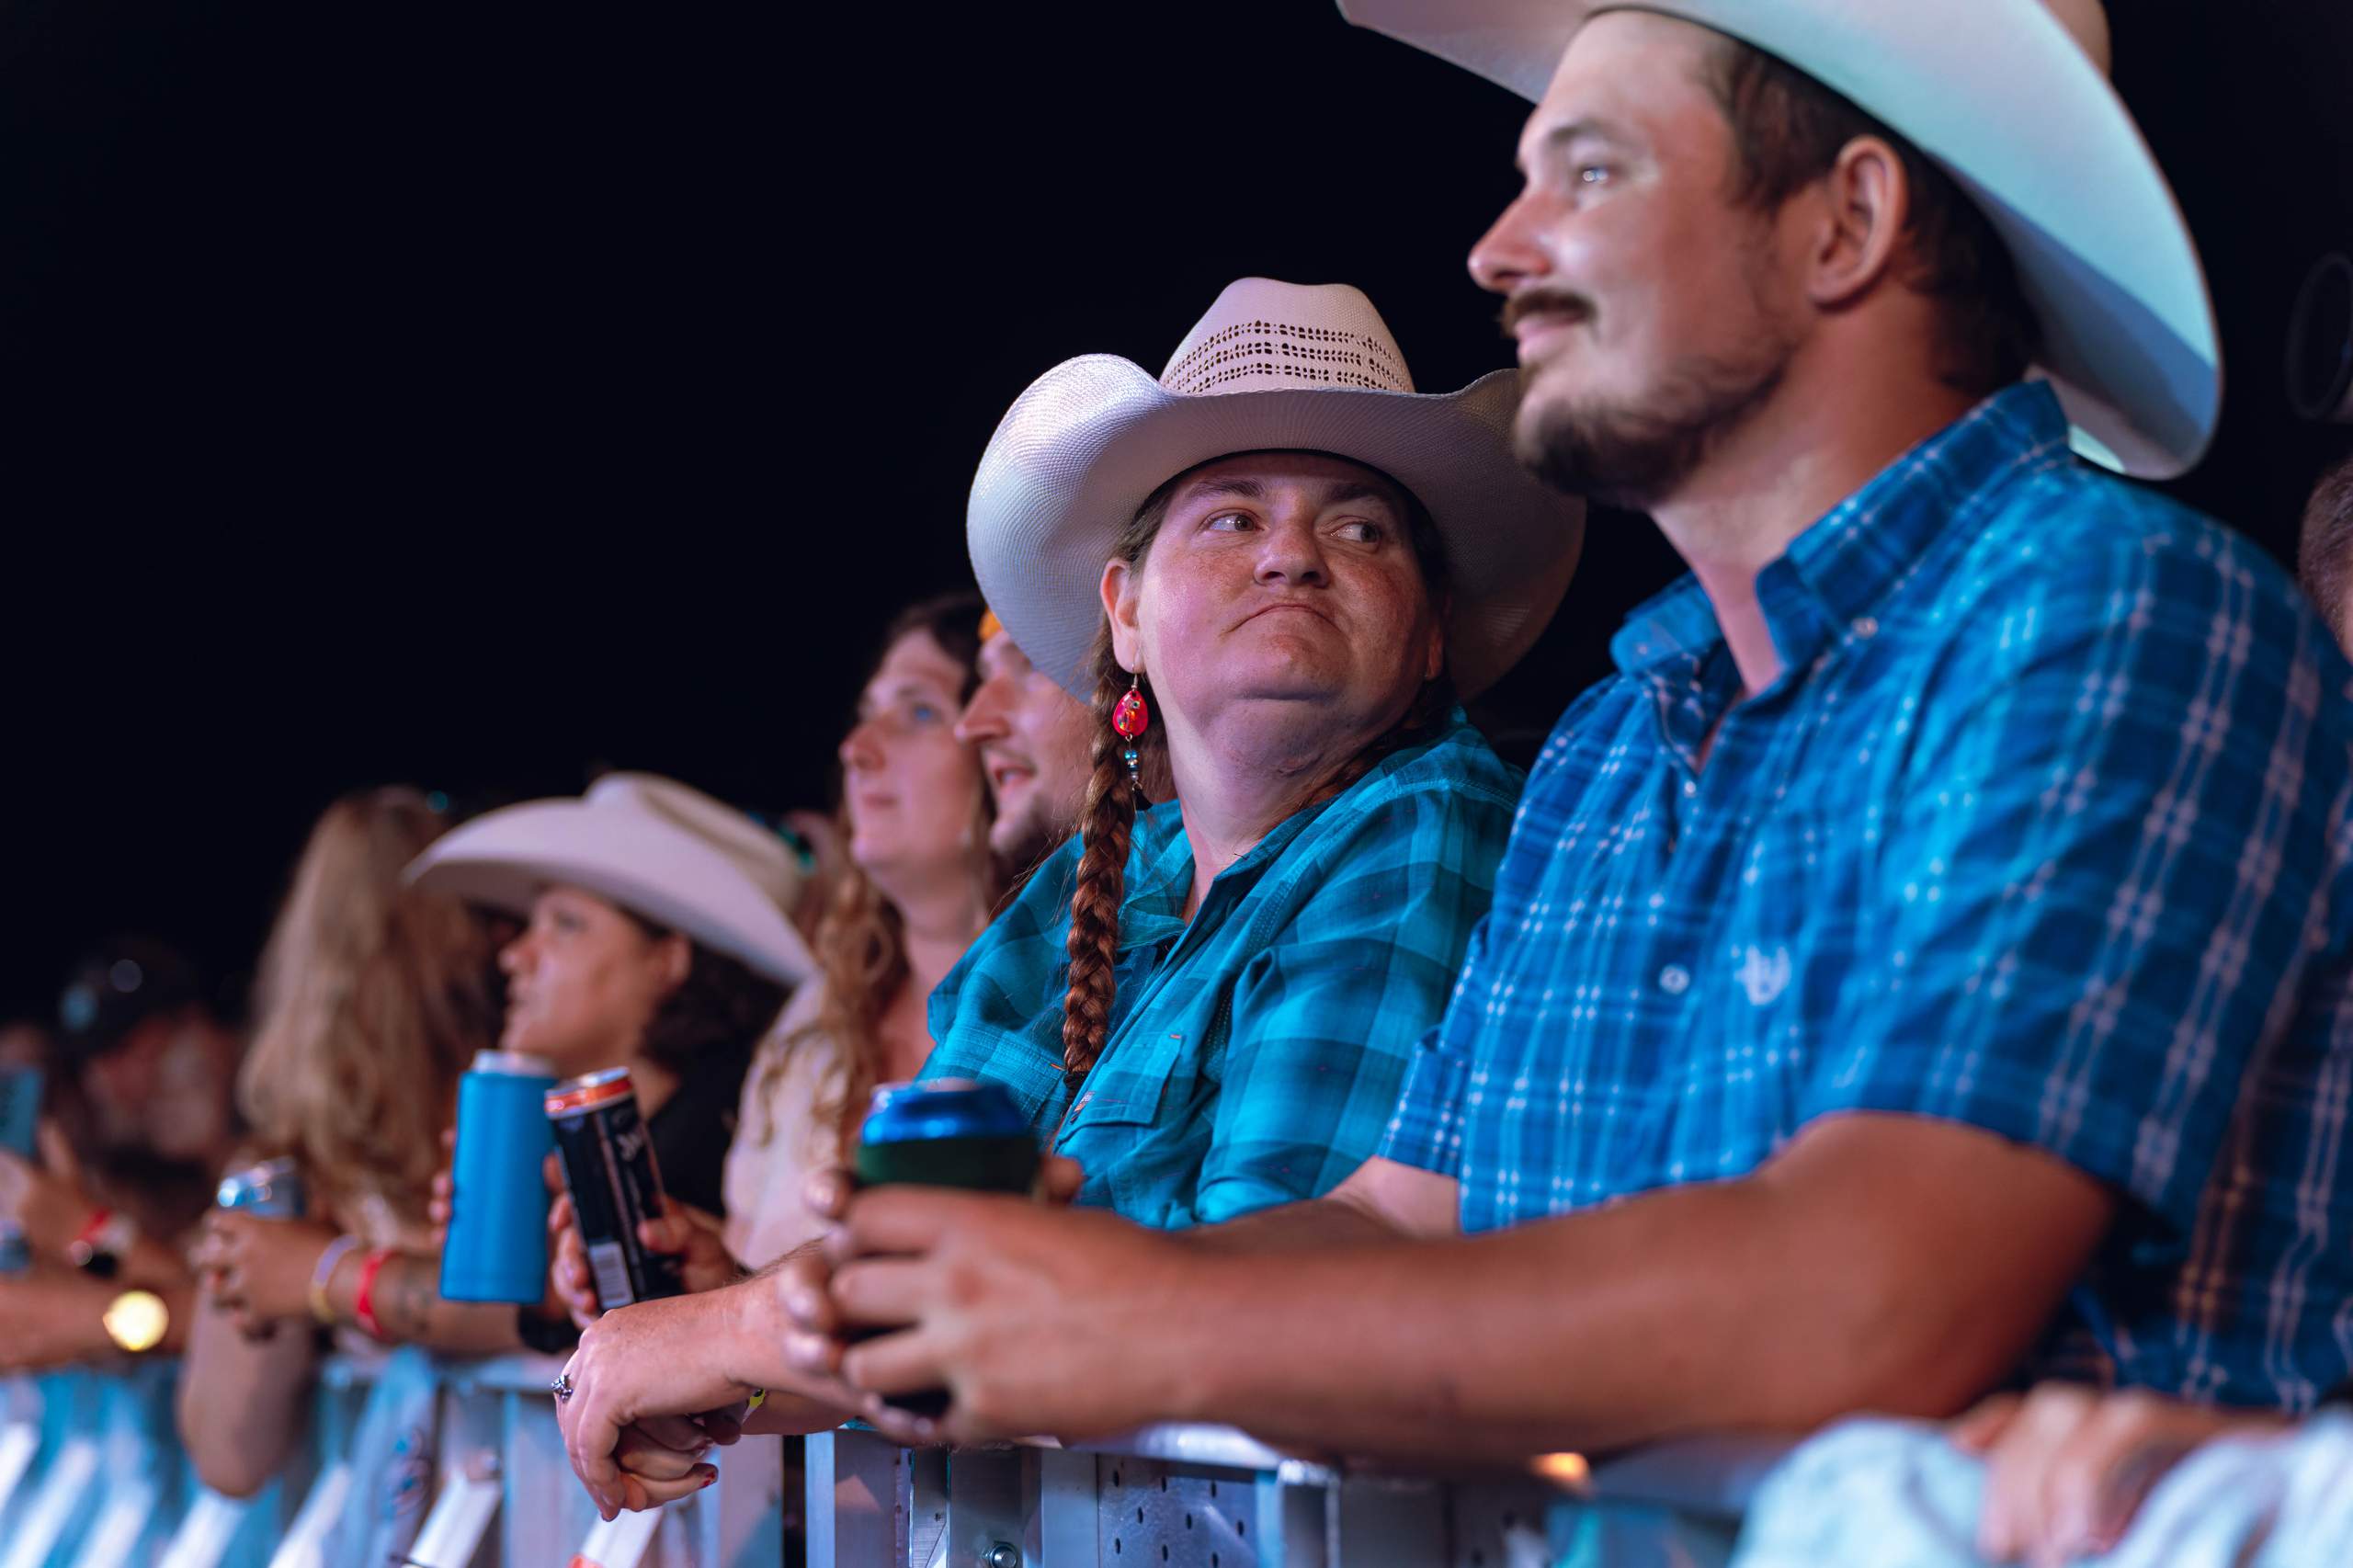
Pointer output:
x,y
1160,857
1846,564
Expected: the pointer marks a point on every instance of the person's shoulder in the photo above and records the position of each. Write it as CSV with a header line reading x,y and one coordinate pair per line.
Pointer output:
x,y
1454,764
2069,557
1447,799
2065,525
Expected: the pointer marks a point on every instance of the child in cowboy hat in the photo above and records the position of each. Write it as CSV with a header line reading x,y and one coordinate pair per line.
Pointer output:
x,y
1932,952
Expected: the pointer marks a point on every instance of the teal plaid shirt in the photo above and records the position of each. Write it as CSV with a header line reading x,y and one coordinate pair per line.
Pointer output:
x,y
1256,1055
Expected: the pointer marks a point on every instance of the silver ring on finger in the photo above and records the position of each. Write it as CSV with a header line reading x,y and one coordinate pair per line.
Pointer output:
x,y
562,1388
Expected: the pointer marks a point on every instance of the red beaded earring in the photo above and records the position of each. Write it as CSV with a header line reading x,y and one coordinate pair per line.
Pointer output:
x,y
1130,719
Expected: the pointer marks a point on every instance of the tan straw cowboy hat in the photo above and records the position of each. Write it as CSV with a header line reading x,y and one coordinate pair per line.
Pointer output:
x,y
2012,98
1271,367
663,851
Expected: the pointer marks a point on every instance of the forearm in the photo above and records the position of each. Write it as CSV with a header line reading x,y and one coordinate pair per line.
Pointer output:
x,y
1293,1227
57,1318
240,1402
153,1264
1701,1308
405,1299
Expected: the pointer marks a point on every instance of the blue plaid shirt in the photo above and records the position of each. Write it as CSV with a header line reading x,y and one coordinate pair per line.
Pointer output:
x,y
2043,828
1254,1053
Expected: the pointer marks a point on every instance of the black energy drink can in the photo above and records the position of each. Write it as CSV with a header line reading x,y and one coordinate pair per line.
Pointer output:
x,y
615,1185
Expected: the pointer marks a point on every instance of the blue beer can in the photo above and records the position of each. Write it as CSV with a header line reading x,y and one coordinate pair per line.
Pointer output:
x,y
948,1132
270,1190
496,1249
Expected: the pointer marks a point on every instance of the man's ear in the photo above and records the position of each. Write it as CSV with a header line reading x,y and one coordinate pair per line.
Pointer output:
x,y
1864,204
1121,582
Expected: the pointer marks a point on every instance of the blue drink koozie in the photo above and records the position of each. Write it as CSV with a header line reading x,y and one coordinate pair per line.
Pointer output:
x,y
20,1111
496,1249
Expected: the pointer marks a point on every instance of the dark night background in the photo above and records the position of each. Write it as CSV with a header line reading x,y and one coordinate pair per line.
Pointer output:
x,y
475,395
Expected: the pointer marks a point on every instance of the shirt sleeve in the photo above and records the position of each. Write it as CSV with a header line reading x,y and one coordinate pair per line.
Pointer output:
x,y
1424,1126
2100,871
1329,1011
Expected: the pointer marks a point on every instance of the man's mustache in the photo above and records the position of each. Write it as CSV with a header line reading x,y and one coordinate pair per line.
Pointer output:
x,y
1543,302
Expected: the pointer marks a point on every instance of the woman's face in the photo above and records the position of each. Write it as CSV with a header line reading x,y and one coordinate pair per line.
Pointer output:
x,y
912,790
1282,589
584,979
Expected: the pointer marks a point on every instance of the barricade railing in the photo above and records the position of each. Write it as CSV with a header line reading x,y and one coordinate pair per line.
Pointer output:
x,y
92,1476
1212,1497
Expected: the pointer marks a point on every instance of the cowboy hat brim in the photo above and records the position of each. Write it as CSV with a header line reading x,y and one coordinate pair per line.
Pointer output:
x,y
1999,95
505,858
1085,447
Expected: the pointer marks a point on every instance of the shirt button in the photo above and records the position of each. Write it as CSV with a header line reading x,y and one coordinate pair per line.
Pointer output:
x,y
1864,626
1691,787
1674,980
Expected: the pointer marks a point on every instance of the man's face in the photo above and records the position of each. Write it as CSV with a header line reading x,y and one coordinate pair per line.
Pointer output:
x,y
1653,314
1036,743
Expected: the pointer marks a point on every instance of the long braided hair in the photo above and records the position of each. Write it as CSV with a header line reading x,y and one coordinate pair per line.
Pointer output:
x,y
1106,819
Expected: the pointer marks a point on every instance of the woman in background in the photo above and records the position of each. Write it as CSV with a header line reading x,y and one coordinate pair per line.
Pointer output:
x,y
916,887
372,998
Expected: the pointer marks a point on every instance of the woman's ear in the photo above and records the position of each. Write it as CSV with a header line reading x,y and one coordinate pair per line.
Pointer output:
x,y
1121,582
674,955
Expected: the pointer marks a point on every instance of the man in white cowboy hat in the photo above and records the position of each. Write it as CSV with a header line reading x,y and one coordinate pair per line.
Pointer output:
x,y
1930,953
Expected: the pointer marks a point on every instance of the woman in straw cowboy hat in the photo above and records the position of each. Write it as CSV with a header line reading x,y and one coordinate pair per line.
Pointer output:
x,y
655,939
1270,570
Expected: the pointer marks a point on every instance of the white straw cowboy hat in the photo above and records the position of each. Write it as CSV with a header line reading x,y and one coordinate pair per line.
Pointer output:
x,y
2012,99
1272,366
657,848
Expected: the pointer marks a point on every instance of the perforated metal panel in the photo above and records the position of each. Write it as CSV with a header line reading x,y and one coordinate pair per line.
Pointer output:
x,y
1150,1514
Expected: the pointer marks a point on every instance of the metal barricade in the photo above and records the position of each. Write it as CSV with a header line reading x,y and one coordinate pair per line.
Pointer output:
x,y
1210,1497
92,1476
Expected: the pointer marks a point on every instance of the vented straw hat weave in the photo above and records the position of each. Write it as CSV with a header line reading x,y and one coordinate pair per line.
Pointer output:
x,y
1271,367
2012,98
